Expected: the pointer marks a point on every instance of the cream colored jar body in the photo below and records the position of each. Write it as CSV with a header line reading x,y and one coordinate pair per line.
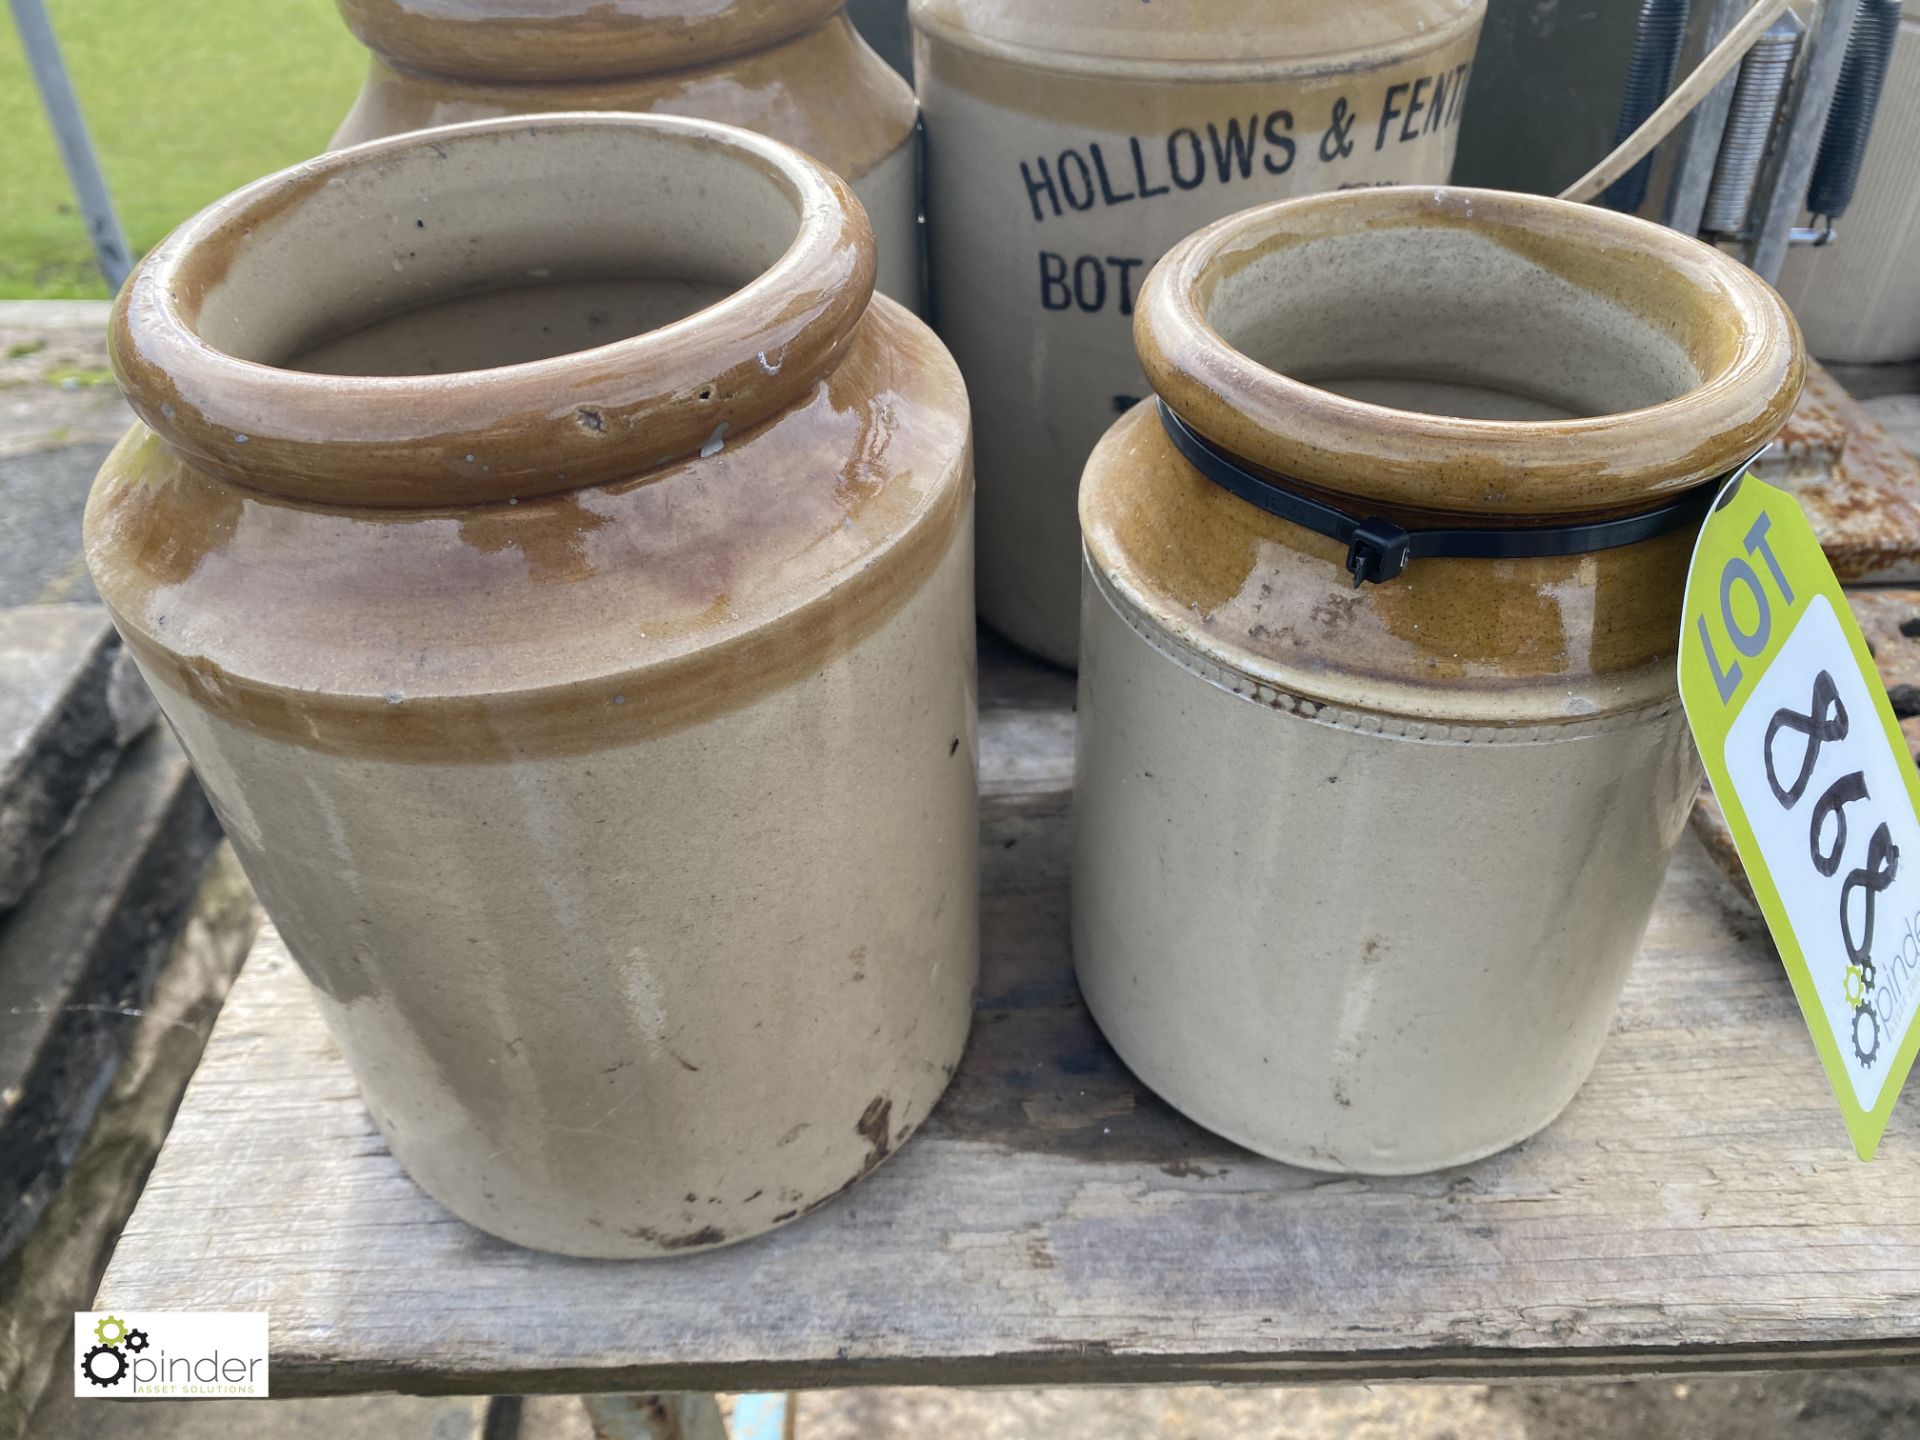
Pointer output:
x,y
583,664
1352,941
658,996
798,72
1359,870
1069,146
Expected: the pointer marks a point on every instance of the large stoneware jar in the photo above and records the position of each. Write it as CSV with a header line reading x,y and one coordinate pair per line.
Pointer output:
x,y
1371,817
558,568
796,70
1069,144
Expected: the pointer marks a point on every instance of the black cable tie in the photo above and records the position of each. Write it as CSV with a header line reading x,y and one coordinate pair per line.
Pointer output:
x,y
1378,550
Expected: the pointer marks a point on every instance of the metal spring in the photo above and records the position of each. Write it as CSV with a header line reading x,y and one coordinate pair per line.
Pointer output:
x,y
1843,145
1750,124
1656,53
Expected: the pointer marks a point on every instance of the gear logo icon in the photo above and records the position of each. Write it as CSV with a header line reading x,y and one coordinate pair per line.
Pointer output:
x,y
104,1365
1853,982
109,1362
1866,1043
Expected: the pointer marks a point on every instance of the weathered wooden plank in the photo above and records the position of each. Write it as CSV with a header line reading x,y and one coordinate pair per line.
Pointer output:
x,y
1697,1207
1026,722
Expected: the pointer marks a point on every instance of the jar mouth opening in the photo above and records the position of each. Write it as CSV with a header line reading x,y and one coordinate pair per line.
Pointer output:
x,y
405,268
494,310
1469,351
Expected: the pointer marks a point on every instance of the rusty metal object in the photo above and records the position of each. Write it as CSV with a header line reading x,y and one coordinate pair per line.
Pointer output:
x,y
1860,490
1890,620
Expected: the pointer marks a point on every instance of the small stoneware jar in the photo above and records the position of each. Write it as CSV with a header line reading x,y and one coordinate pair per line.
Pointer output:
x,y
1360,867
558,568
1069,144
796,70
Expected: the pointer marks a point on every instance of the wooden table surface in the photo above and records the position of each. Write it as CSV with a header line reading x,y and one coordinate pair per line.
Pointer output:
x,y
1698,1206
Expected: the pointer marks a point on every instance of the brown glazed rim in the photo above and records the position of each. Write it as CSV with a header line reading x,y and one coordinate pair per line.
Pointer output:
x,y
584,418
1293,50
574,39
1732,322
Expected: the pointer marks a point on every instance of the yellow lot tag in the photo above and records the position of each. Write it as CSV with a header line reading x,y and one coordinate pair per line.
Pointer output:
x,y
1810,767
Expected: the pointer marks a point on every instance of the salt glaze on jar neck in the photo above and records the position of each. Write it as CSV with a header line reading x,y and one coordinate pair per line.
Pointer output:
x,y
795,70
1070,144
556,563
1358,874
1441,356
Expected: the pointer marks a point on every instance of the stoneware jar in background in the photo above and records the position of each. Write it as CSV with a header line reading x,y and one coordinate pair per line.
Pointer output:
x,y
796,70
1358,872
559,570
1069,144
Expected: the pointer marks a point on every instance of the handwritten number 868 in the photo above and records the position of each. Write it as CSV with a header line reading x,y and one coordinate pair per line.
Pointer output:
x,y
1826,720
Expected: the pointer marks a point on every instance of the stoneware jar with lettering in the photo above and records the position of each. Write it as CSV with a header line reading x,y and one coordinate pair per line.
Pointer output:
x,y
796,70
1363,852
557,565
1069,144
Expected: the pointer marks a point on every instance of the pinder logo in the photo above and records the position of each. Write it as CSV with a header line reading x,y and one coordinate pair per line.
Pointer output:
x,y
170,1354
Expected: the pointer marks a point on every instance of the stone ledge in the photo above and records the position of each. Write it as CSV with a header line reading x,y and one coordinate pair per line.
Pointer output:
x,y
56,1269
71,702
78,960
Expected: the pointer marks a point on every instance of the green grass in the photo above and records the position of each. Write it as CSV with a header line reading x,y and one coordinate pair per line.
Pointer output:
x,y
185,99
